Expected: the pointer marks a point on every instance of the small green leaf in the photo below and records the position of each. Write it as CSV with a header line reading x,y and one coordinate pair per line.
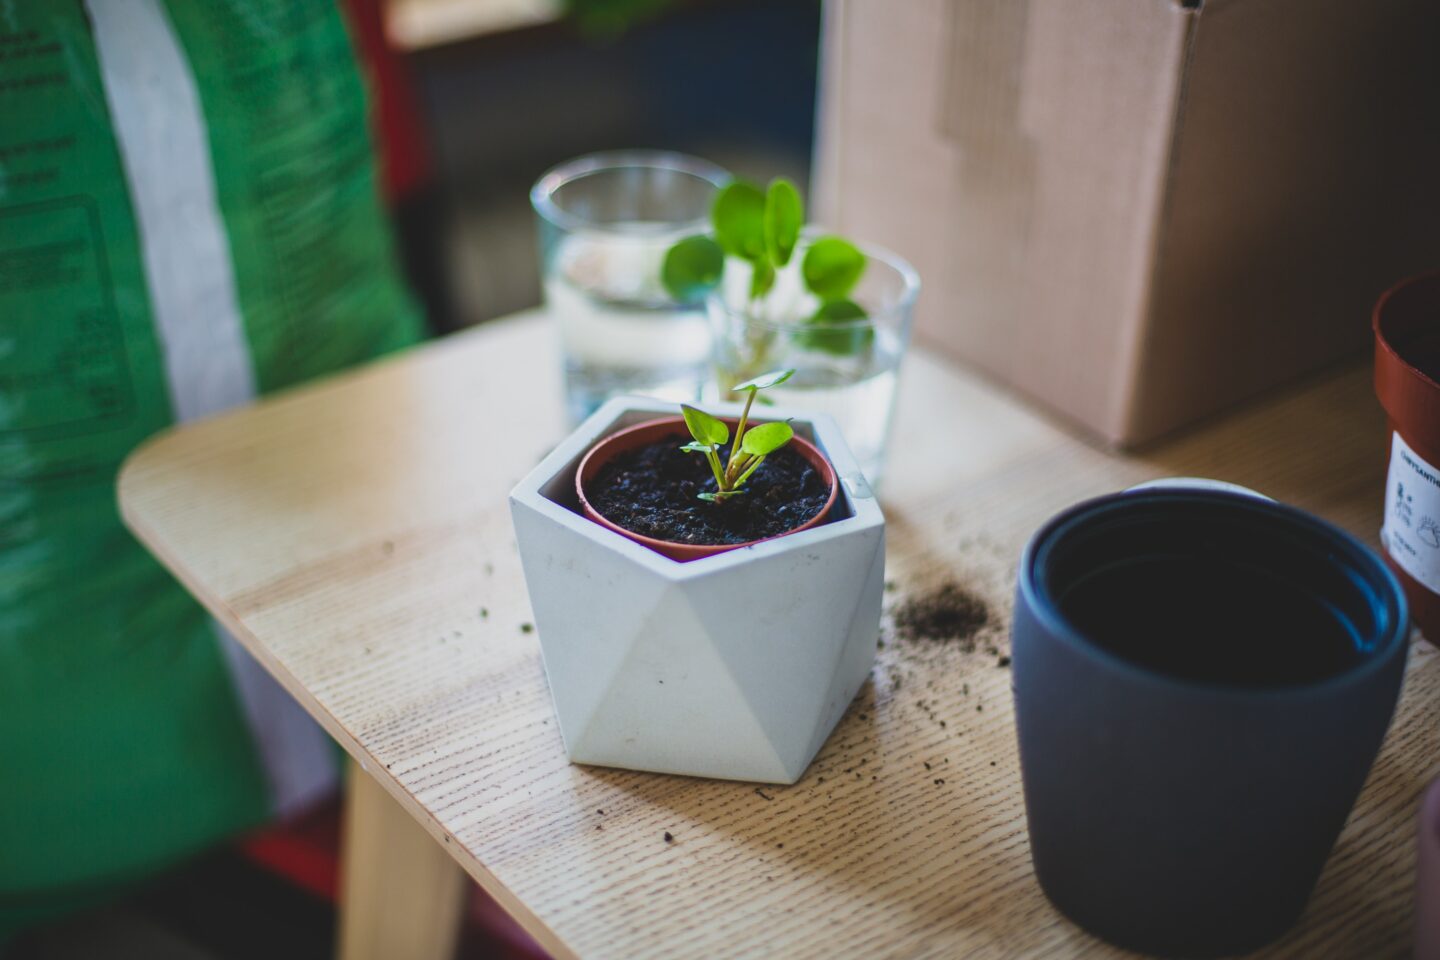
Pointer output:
x,y
766,438
832,267
739,218
692,268
719,497
703,427
765,381
838,311
695,446
762,279
843,340
784,213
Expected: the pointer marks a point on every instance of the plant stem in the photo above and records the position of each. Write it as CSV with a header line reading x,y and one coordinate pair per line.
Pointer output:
x,y
736,466
754,465
714,461
740,429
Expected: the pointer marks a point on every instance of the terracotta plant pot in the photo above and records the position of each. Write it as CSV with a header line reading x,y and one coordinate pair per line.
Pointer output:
x,y
1407,363
644,434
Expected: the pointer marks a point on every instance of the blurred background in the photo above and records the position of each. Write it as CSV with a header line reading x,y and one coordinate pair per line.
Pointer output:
x,y
506,89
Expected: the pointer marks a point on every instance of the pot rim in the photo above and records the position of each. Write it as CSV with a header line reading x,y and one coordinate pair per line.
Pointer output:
x,y
1391,353
1391,639
680,551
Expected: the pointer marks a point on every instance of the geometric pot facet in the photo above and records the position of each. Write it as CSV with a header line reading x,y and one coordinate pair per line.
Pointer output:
x,y
735,666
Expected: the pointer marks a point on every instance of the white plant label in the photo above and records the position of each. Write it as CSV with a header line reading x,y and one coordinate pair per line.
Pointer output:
x,y
1411,531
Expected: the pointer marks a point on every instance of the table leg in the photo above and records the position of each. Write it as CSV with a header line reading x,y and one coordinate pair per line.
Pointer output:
x,y
401,894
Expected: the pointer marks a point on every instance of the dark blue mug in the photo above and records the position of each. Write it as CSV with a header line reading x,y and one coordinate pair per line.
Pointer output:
x,y
1202,682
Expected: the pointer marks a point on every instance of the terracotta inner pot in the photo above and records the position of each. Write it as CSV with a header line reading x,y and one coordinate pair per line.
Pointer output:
x,y
644,434
1407,345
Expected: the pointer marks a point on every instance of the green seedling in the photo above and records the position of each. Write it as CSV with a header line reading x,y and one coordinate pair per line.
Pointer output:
x,y
751,446
762,228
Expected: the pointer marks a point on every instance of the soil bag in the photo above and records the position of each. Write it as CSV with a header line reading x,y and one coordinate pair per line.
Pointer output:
x,y
188,218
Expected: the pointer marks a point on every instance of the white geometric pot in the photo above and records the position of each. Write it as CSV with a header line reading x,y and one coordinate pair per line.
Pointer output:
x,y
734,666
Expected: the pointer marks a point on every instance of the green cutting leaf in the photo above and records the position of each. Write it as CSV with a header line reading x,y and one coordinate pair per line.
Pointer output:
x,y
844,337
832,267
762,279
739,219
707,430
784,214
692,268
766,438
765,381
695,446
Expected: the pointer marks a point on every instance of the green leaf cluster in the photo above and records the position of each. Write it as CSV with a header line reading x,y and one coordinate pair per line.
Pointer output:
x,y
762,227
751,446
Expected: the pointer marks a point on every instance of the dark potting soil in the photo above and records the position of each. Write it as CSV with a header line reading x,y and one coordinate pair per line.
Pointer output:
x,y
947,613
653,491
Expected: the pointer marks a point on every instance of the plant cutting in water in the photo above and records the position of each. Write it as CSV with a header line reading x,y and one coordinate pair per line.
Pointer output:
x,y
762,228
751,446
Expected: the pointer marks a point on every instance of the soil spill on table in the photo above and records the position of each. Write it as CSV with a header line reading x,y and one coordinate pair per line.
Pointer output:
x,y
948,613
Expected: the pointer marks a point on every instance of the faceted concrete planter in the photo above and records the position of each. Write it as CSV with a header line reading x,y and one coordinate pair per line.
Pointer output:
x,y
734,666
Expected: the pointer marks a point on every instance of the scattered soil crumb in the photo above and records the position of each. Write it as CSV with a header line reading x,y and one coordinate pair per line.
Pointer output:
x,y
599,811
527,627
947,613
668,837
1003,662
939,782
767,796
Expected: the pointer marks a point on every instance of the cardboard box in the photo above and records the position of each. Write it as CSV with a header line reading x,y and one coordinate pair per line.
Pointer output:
x,y
1137,211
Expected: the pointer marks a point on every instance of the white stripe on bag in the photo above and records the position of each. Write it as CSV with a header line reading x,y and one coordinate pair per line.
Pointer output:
x,y
164,148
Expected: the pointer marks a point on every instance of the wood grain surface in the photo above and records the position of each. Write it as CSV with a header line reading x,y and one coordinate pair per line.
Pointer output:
x,y
354,535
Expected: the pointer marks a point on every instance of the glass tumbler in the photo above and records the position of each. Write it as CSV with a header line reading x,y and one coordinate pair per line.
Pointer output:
x,y
848,369
606,221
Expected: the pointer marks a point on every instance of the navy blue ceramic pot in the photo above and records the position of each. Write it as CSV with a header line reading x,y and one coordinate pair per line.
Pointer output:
x,y
1202,683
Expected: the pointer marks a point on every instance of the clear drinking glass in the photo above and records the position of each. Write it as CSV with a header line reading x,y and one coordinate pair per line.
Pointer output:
x,y
847,369
606,221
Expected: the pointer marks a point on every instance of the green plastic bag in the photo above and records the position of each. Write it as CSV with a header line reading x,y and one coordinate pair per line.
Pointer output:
x,y
188,217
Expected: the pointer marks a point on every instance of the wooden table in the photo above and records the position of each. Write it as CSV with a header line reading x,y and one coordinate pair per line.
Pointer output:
x,y
354,535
